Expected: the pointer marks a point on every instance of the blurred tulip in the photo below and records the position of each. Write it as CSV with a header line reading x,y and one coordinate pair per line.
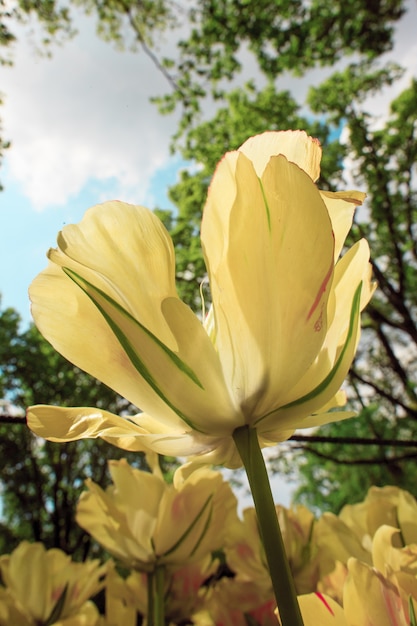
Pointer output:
x,y
383,505
320,610
370,599
45,586
145,522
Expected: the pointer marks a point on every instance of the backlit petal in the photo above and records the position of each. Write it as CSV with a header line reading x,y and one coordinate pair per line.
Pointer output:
x,y
295,145
341,206
270,286
318,609
144,298
62,424
291,415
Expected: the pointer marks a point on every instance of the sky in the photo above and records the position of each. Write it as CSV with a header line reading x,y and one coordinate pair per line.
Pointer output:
x,y
83,131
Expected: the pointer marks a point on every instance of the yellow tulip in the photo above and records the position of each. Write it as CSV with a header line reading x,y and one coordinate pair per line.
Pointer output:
x,y
370,599
383,505
332,584
182,597
388,558
120,602
145,522
246,557
297,526
320,610
279,338
41,583
337,542
232,602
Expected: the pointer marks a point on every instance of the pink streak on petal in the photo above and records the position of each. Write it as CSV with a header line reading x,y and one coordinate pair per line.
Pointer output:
x,y
321,291
323,599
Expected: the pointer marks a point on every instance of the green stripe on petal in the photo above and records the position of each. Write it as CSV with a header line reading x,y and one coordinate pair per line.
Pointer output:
x,y
314,393
190,528
107,305
413,619
268,211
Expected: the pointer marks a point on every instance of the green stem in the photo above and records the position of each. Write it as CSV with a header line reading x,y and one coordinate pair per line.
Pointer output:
x,y
159,597
246,440
150,584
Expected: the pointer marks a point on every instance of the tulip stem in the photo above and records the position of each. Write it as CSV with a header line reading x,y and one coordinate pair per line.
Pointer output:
x,y
159,598
150,585
246,440
156,597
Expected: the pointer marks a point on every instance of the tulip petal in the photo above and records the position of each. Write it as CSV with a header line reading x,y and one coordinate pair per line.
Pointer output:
x,y
352,268
143,285
341,206
295,145
291,414
317,608
162,369
141,433
62,424
126,251
270,286
371,599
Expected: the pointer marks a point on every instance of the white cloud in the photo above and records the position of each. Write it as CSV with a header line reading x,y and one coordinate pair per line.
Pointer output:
x,y
83,114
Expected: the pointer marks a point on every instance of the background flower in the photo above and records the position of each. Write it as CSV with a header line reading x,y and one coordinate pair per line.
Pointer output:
x,y
145,522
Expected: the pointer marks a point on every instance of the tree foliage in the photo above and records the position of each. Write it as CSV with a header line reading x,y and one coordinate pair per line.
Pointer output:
x,y
282,35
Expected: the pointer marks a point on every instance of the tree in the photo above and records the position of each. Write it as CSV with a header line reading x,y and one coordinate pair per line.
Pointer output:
x,y
282,35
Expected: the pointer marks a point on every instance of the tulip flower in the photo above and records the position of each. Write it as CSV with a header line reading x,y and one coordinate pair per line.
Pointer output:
x,y
337,542
371,599
181,593
144,522
45,586
383,505
156,528
279,338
